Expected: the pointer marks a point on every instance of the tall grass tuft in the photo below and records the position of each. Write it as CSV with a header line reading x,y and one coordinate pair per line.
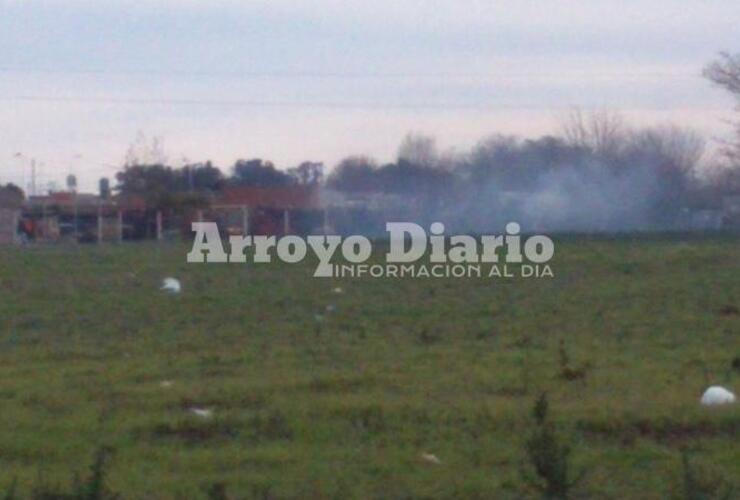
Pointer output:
x,y
91,488
10,493
702,485
549,456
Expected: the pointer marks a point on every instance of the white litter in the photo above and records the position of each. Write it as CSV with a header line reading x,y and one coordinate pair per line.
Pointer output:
x,y
716,395
338,290
171,285
431,458
166,384
202,412
331,308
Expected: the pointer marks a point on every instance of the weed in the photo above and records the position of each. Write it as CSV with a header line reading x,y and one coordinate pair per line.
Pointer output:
x,y
549,456
91,488
427,336
568,372
701,484
10,493
735,363
729,310
217,491
273,426
368,420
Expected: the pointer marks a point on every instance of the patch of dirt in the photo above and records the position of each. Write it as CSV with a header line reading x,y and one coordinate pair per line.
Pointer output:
x,y
193,431
661,430
729,310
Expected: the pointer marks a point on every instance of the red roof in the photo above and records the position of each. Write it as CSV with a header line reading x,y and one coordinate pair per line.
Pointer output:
x,y
65,198
301,197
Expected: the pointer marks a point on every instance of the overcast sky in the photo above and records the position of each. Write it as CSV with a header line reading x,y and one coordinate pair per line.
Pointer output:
x,y
321,79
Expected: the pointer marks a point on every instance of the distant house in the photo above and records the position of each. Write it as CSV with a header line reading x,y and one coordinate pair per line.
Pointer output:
x,y
368,212
268,210
385,202
68,215
291,197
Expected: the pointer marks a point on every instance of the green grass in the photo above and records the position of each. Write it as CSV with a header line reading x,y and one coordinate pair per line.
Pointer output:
x,y
343,407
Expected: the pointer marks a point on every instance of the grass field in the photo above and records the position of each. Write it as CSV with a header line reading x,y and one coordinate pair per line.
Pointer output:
x,y
316,403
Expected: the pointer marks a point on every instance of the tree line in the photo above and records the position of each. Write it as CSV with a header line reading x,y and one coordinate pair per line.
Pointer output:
x,y
597,169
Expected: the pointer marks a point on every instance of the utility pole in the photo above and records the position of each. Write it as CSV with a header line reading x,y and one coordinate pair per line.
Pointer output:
x,y
245,220
159,225
72,188
76,223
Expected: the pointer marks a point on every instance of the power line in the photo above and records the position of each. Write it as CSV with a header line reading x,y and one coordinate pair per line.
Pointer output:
x,y
288,74
290,104
257,103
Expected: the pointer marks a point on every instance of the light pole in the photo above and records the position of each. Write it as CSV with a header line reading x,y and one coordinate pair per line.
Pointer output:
x,y
32,163
72,186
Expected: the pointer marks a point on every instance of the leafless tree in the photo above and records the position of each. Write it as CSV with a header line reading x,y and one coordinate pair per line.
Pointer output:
x,y
145,151
682,148
725,72
603,131
419,149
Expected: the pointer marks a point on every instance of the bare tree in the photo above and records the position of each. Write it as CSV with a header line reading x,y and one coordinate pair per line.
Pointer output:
x,y
681,148
725,72
602,132
145,151
419,150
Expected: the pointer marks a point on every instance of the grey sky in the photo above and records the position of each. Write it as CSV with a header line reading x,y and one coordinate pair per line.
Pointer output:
x,y
317,80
